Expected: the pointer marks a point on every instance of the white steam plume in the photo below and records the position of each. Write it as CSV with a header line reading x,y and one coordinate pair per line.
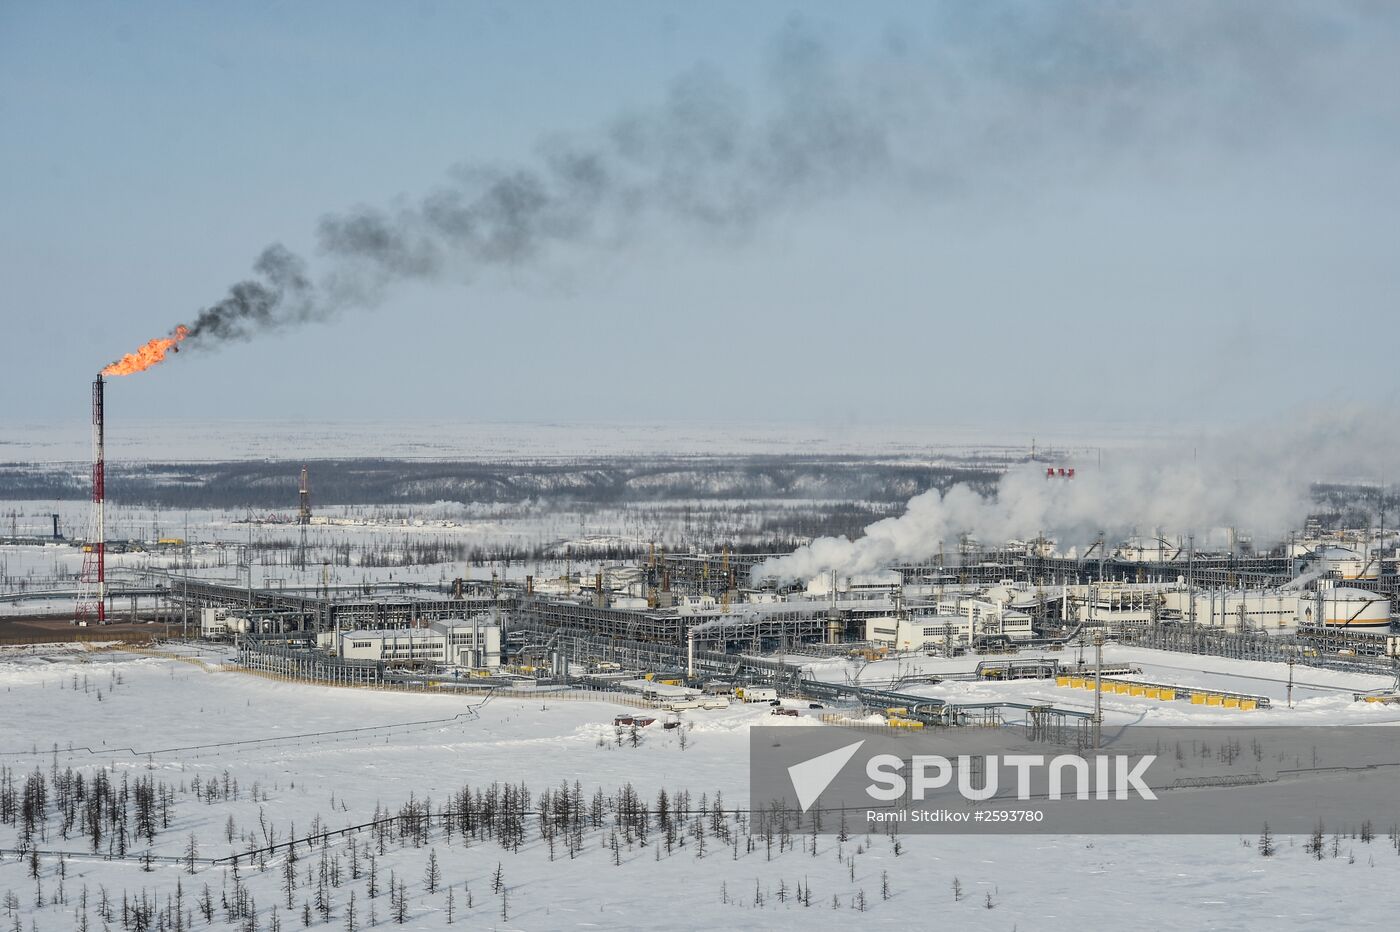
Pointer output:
x,y
1262,488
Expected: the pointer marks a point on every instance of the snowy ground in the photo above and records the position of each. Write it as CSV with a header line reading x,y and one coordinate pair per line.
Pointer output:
x,y
385,532
134,439
367,535
181,720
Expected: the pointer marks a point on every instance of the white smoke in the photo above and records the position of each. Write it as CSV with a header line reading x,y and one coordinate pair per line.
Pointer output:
x,y
1260,488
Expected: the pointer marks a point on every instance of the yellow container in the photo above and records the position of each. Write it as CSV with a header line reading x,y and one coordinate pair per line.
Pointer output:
x,y
1231,702
1166,695
1150,692
1248,705
1136,690
1213,699
1121,688
1198,698
1077,682
1061,681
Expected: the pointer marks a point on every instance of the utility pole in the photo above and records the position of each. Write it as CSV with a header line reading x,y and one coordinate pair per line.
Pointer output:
x,y
1191,577
1290,681
303,516
1098,689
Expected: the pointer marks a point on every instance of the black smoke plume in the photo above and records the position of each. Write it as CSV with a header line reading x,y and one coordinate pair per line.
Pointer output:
x,y
1003,92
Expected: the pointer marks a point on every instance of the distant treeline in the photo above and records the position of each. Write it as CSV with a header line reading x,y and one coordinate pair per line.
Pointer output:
x,y
272,485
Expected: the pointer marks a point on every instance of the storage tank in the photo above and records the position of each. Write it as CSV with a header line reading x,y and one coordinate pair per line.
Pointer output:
x,y
1343,607
1346,563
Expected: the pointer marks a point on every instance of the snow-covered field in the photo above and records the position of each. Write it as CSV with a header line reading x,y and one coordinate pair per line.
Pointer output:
x,y
136,439
424,544
364,544
296,762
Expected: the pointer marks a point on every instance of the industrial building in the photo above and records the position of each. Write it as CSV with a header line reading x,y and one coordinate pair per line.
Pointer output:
x,y
691,611
942,633
989,616
472,644
1122,607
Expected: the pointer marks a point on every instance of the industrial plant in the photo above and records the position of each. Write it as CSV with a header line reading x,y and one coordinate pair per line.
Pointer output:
x,y
326,633
1323,597
699,466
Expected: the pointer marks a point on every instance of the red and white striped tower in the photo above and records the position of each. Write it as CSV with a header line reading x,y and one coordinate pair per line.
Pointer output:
x,y
95,555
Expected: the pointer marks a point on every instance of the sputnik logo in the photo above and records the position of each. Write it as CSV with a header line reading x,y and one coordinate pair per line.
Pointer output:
x,y
811,777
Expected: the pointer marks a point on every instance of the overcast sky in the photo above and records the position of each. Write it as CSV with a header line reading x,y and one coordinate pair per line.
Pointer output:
x,y
914,213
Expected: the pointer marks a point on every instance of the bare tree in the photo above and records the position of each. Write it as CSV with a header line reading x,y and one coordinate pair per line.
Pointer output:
x,y
401,904
432,876
289,874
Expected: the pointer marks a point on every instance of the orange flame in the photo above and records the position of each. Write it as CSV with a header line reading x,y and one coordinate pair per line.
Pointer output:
x,y
150,354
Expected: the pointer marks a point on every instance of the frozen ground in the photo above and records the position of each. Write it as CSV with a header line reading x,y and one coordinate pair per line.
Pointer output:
x,y
181,720
134,439
385,534
429,544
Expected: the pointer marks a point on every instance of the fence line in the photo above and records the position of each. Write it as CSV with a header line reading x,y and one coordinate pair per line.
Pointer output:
x,y
564,693
99,856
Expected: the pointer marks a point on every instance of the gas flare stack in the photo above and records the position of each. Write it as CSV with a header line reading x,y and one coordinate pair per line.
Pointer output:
x,y
93,603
